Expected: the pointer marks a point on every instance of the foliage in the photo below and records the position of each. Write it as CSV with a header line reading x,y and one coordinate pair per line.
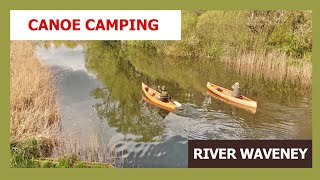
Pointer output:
x,y
30,155
22,155
66,162
218,34
121,93
122,69
33,107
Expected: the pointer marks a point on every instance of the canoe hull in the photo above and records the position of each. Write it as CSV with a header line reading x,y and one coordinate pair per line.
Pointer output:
x,y
227,94
153,96
155,104
249,109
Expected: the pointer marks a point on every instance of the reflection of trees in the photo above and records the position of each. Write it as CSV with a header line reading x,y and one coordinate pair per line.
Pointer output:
x,y
122,69
184,76
57,43
120,98
192,75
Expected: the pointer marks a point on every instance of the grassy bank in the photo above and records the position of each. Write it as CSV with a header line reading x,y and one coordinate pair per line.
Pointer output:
x,y
30,155
34,121
275,66
34,118
273,44
33,108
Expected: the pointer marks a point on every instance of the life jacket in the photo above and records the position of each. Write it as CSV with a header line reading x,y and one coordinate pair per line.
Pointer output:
x,y
236,91
164,94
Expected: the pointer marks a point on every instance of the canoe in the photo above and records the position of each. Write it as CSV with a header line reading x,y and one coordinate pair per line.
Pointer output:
x,y
155,104
249,109
154,96
227,94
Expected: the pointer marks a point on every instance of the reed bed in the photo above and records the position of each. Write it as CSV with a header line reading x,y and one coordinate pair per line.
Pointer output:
x,y
276,66
33,107
35,130
89,148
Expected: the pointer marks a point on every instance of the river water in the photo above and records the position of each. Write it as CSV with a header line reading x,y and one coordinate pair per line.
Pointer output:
x,y
104,117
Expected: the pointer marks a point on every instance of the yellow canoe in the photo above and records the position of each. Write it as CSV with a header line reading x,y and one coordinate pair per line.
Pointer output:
x,y
155,104
227,94
154,96
249,109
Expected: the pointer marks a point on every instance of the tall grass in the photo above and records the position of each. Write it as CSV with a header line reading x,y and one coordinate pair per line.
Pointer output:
x,y
89,149
276,66
34,120
255,40
33,108
29,155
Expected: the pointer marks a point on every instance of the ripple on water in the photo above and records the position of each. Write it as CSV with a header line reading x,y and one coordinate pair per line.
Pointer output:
x,y
146,154
275,121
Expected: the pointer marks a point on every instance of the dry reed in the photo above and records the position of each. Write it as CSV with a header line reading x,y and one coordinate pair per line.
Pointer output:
x,y
33,108
89,148
276,66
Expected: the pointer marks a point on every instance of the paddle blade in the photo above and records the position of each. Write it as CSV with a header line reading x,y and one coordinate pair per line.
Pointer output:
x,y
177,103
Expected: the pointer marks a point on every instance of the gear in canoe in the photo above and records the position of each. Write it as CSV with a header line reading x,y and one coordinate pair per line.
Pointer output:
x,y
229,95
164,94
154,96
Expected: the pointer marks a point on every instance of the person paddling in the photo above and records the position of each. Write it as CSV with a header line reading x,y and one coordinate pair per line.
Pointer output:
x,y
236,90
164,95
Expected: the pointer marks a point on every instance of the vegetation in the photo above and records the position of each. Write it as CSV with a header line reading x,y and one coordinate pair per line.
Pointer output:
x,y
271,44
268,52
34,120
30,155
120,77
275,42
122,69
33,109
227,33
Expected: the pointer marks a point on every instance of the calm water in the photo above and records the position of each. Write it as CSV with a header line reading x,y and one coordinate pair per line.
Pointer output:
x,y
99,92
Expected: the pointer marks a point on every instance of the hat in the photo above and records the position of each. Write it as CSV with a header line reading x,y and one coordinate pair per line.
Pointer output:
x,y
237,84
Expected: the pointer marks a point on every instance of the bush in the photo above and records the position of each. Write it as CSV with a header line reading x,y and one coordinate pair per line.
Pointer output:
x,y
22,155
218,34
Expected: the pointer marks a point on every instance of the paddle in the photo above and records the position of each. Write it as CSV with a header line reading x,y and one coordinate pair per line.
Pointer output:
x,y
176,103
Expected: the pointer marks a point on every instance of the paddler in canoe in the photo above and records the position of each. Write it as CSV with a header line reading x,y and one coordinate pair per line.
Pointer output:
x,y
236,90
161,98
164,95
234,95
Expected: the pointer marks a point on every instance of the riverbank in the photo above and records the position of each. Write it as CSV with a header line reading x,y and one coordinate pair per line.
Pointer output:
x,y
33,108
93,103
270,44
34,117
34,120
275,66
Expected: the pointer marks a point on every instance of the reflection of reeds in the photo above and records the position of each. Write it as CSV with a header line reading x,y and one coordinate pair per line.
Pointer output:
x,y
33,109
89,148
274,66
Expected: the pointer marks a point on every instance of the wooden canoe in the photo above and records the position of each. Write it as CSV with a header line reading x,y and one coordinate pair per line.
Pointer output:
x,y
227,94
249,109
155,104
154,96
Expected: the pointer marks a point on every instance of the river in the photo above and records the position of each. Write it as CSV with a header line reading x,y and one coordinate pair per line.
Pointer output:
x,y
104,118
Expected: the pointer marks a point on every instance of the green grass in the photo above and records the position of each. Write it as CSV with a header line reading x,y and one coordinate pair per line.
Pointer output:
x,y
23,155
31,155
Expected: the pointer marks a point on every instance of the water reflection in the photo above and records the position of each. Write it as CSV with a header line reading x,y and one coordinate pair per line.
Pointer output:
x,y
102,82
185,80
